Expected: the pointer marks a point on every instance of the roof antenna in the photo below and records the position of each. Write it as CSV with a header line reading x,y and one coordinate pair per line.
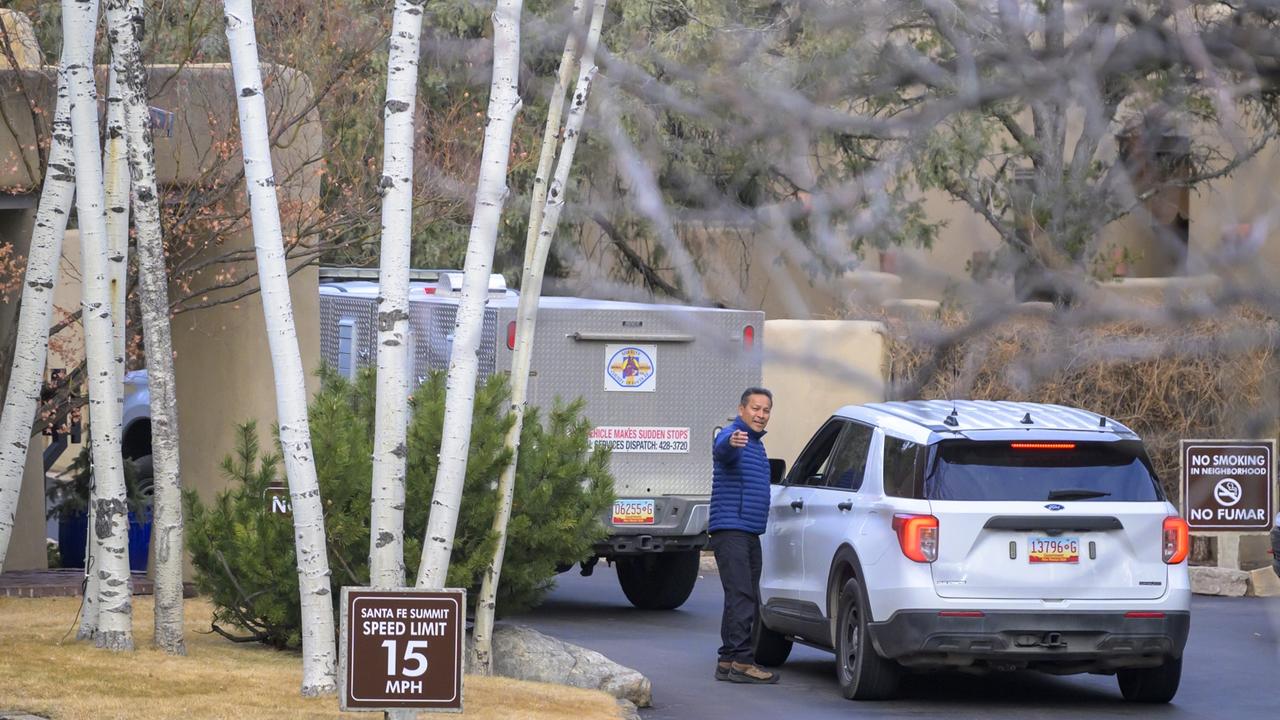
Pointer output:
x,y
1102,421
1026,419
952,420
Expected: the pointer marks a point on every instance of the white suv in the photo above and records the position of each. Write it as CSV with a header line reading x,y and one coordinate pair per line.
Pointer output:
x,y
976,535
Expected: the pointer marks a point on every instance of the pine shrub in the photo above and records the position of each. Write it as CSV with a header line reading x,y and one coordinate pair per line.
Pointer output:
x,y
244,555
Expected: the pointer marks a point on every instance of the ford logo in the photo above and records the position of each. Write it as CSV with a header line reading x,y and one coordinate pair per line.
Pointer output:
x,y
1054,507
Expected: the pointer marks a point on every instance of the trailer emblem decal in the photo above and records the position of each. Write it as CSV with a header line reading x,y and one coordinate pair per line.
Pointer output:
x,y
630,368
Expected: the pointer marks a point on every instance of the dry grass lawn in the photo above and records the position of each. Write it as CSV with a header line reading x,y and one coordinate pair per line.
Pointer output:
x,y
42,674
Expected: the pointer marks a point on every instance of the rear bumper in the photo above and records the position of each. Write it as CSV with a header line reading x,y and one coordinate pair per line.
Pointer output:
x,y
644,543
679,524
1080,641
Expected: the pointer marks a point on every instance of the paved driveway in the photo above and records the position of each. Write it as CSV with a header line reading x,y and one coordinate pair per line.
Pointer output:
x,y
1232,669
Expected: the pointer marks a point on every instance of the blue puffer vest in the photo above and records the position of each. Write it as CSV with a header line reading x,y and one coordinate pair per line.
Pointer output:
x,y
739,482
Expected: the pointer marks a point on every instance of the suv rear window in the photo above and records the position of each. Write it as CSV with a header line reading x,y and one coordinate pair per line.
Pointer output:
x,y
1042,471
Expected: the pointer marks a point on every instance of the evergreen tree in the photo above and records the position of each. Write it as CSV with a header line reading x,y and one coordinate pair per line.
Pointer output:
x,y
243,554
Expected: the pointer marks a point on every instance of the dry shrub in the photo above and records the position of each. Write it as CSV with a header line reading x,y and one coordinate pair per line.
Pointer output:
x,y
1200,378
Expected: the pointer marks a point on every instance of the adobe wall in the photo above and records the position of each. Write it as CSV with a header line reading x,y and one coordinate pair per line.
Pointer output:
x,y
223,366
814,367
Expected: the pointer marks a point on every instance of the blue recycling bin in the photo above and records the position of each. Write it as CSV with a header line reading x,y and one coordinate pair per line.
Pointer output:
x,y
73,532
139,540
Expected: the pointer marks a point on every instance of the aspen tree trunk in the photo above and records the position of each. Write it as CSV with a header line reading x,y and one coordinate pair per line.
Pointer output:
x,y
391,418
460,388
551,132
125,22
526,323
32,346
115,171
319,654
110,522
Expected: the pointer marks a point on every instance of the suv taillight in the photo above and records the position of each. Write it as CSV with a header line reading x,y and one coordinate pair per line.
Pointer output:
x,y
917,536
1177,540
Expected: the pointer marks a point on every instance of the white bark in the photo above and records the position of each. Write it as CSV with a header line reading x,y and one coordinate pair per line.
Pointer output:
x,y
32,345
460,388
527,318
391,419
115,171
110,522
319,655
125,20
551,132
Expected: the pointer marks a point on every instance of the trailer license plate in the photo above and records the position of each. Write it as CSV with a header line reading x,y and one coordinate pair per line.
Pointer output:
x,y
1053,549
633,512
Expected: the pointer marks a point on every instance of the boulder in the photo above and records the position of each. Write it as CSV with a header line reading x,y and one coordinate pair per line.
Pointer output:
x,y
525,654
629,710
1264,582
1219,581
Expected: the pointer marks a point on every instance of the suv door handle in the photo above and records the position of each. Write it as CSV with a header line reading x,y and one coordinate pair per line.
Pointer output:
x,y
797,504
846,505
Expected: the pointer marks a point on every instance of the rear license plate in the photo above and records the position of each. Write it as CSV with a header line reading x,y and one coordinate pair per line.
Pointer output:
x,y
1053,549
633,512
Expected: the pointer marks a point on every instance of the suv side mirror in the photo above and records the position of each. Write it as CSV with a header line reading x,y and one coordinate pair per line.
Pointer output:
x,y
777,470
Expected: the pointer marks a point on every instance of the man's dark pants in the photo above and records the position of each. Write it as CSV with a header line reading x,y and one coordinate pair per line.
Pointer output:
x,y
738,558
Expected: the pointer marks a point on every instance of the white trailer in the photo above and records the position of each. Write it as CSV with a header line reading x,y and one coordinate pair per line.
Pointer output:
x,y
658,380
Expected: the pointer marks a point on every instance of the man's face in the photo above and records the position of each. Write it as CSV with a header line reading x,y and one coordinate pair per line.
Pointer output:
x,y
755,412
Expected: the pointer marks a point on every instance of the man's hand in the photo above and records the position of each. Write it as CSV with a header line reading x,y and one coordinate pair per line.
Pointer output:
x,y
738,439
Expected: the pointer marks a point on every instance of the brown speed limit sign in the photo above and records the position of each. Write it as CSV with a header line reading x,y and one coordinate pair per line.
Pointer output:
x,y
401,649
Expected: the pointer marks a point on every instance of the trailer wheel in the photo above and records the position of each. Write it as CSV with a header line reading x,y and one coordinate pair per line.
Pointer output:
x,y
658,581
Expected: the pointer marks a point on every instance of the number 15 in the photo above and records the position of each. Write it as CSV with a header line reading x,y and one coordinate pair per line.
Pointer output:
x,y
411,654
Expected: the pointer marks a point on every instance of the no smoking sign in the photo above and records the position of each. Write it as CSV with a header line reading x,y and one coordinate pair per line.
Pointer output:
x,y
1228,484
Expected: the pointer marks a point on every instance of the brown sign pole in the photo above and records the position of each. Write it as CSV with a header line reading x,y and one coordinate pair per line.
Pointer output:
x,y
401,649
1228,485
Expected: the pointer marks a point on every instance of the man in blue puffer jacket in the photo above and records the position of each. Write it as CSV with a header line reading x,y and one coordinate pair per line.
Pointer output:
x,y
739,513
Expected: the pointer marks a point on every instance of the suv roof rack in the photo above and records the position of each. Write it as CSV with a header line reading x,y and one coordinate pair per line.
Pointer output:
x,y
951,416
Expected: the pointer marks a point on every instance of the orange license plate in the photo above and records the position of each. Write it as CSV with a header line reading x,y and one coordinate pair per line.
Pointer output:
x,y
1053,549
633,512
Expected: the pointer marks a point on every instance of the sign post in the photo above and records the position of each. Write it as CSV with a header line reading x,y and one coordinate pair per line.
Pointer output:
x,y
401,649
1228,485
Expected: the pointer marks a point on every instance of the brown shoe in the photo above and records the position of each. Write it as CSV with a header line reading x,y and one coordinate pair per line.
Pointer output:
x,y
722,669
743,673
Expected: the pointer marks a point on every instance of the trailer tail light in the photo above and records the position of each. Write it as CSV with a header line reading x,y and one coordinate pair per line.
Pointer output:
x,y
748,337
917,536
511,335
1177,540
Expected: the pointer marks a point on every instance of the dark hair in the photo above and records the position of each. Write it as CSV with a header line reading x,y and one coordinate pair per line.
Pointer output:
x,y
746,395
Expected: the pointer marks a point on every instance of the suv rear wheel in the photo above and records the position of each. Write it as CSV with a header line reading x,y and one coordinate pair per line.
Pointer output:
x,y
658,581
863,674
1151,685
769,648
